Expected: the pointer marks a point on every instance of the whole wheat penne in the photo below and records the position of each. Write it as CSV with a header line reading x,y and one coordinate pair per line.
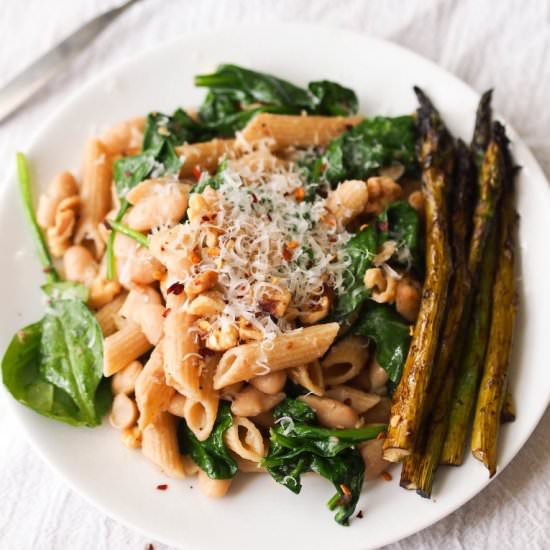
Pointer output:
x,y
309,376
106,315
182,360
245,440
204,155
200,414
298,131
345,360
123,347
160,445
289,350
177,403
153,395
95,194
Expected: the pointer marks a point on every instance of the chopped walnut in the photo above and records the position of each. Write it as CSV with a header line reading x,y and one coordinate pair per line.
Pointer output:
x,y
382,191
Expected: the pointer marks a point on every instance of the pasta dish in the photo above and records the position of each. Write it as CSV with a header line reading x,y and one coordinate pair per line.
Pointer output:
x,y
276,284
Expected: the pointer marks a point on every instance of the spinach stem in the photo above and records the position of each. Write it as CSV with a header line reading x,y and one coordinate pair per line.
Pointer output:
x,y
111,264
26,194
140,238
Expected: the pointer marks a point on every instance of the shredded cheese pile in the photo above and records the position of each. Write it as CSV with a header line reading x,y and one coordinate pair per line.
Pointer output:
x,y
270,241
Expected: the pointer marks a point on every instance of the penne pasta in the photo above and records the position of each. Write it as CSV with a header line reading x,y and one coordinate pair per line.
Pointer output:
x,y
123,347
289,350
106,316
160,445
182,361
200,415
283,131
205,155
95,195
245,440
345,360
177,403
153,395
309,376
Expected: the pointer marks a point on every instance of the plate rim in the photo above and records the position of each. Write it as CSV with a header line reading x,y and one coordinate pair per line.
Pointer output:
x,y
35,137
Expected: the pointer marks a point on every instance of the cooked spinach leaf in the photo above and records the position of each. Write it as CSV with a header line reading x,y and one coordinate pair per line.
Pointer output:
x,y
400,222
361,151
211,455
215,181
333,99
298,445
390,334
361,249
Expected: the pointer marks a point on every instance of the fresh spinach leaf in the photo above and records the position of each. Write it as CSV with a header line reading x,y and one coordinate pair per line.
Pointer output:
x,y
390,334
66,290
333,99
298,445
72,354
211,455
55,366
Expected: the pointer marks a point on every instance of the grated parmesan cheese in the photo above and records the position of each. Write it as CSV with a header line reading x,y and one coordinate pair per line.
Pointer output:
x,y
268,242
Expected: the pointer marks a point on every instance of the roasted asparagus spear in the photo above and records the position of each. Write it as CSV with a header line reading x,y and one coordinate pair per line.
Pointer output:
x,y
435,154
491,181
492,390
461,222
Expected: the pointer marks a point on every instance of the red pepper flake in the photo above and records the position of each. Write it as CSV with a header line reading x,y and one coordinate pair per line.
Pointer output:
x,y
386,476
149,547
383,226
197,172
175,288
166,312
269,217
324,166
269,306
299,194
287,254
359,514
162,487
254,198
194,258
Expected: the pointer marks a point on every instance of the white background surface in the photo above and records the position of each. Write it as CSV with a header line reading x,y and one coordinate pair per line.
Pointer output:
x,y
498,43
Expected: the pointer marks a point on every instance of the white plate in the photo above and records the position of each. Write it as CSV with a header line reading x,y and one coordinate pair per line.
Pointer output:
x,y
259,513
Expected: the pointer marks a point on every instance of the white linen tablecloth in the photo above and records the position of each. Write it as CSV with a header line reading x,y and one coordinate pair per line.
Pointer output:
x,y
502,43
